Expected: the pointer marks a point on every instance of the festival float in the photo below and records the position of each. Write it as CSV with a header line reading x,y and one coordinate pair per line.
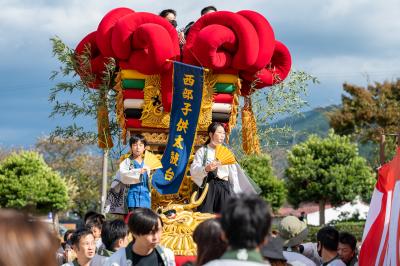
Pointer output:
x,y
170,94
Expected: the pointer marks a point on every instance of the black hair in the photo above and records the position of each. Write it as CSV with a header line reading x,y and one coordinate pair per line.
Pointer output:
x,y
208,237
165,12
246,221
143,221
173,23
67,233
186,30
349,239
112,231
208,8
137,138
329,238
78,234
91,224
88,215
211,129
95,220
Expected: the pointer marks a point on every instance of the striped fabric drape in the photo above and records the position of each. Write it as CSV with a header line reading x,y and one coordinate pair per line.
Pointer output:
x,y
381,244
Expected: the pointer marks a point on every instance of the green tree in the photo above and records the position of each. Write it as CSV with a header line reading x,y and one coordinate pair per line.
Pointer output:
x,y
27,182
79,166
96,104
327,170
259,168
366,112
268,104
90,99
4,152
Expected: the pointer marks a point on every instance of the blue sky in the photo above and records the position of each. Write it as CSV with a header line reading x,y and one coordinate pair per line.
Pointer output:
x,y
335,40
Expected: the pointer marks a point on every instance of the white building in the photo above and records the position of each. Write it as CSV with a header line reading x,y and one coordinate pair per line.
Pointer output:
x,y
335,213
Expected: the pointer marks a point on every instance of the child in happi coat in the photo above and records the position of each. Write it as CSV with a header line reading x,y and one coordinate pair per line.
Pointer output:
x,y
131,188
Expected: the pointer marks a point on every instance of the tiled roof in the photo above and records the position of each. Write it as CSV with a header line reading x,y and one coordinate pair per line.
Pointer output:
x,y
304,207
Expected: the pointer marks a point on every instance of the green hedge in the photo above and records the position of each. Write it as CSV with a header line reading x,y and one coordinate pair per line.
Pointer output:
x,y
354,228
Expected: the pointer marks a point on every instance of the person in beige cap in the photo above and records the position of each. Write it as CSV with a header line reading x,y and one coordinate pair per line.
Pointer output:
x,y
293,232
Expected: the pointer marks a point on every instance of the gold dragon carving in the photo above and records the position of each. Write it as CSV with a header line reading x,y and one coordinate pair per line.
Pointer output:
x,y
178,227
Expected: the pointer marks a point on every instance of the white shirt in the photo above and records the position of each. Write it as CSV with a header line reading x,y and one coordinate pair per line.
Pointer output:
x,y
238,180
198,169
336,262
223,170
225,262
310,251
127,174
297,259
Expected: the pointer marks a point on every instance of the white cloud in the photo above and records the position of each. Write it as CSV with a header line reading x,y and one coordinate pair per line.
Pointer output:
x,y
335,38
338,8
354,69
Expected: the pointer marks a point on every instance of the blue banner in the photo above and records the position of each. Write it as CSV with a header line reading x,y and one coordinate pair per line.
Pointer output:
x,y
185,111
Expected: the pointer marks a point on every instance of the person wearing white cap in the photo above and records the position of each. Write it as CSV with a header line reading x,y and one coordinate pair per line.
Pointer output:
x,y
292,231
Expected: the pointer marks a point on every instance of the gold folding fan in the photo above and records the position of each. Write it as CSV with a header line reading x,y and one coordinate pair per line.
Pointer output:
x,y
151,161
224,155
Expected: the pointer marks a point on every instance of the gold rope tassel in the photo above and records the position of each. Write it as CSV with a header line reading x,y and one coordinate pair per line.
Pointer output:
x,y
120,107
256,140
250,140
205,116
234,110
103,127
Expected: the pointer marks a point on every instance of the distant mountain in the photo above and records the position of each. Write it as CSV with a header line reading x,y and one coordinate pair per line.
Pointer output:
x,y
303,125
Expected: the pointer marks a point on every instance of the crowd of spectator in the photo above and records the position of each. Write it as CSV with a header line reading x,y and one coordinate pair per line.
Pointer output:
x,y
241,235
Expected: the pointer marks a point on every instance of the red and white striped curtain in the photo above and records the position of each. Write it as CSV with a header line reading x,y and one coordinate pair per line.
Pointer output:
x,y
380,245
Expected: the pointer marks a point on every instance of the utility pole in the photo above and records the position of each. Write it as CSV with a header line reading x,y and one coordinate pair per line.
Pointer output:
x,y
294,138
382,143
382,148
104,183
398,139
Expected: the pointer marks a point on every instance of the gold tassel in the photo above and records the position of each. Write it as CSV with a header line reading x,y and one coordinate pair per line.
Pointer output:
x,y
234,110
246,131
120,107
250,140
256,140
205,117
103,127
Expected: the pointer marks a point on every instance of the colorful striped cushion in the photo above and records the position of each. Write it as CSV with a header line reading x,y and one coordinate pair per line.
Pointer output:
x,y
222,108
133,94
132,74
133,113
223,98
133,123
220,117
133,103
226,78
224,88
133,83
